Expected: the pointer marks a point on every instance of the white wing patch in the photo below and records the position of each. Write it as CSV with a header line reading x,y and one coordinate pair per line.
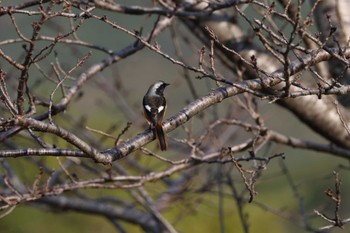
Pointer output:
x,y
161,108
148,107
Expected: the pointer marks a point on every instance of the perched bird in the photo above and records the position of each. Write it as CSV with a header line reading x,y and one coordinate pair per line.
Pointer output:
x,y
154,105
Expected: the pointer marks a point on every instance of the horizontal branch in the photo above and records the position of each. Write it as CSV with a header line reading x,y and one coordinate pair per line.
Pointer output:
x,y
304,144
64,134
56,40
130,214
42,152
137,10
169,11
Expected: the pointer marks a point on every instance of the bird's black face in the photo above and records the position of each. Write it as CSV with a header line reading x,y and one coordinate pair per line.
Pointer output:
x,y
157,88
161,88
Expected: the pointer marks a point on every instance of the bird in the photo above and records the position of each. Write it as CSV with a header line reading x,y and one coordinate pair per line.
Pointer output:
x,y
154,106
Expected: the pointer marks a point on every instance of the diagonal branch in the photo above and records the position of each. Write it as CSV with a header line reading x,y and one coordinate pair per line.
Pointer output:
x,y
219,95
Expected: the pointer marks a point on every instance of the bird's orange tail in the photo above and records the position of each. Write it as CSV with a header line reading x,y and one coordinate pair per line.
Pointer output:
x,y
159,132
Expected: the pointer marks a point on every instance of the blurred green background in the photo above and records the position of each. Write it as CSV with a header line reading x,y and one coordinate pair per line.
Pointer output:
x,y
271,207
